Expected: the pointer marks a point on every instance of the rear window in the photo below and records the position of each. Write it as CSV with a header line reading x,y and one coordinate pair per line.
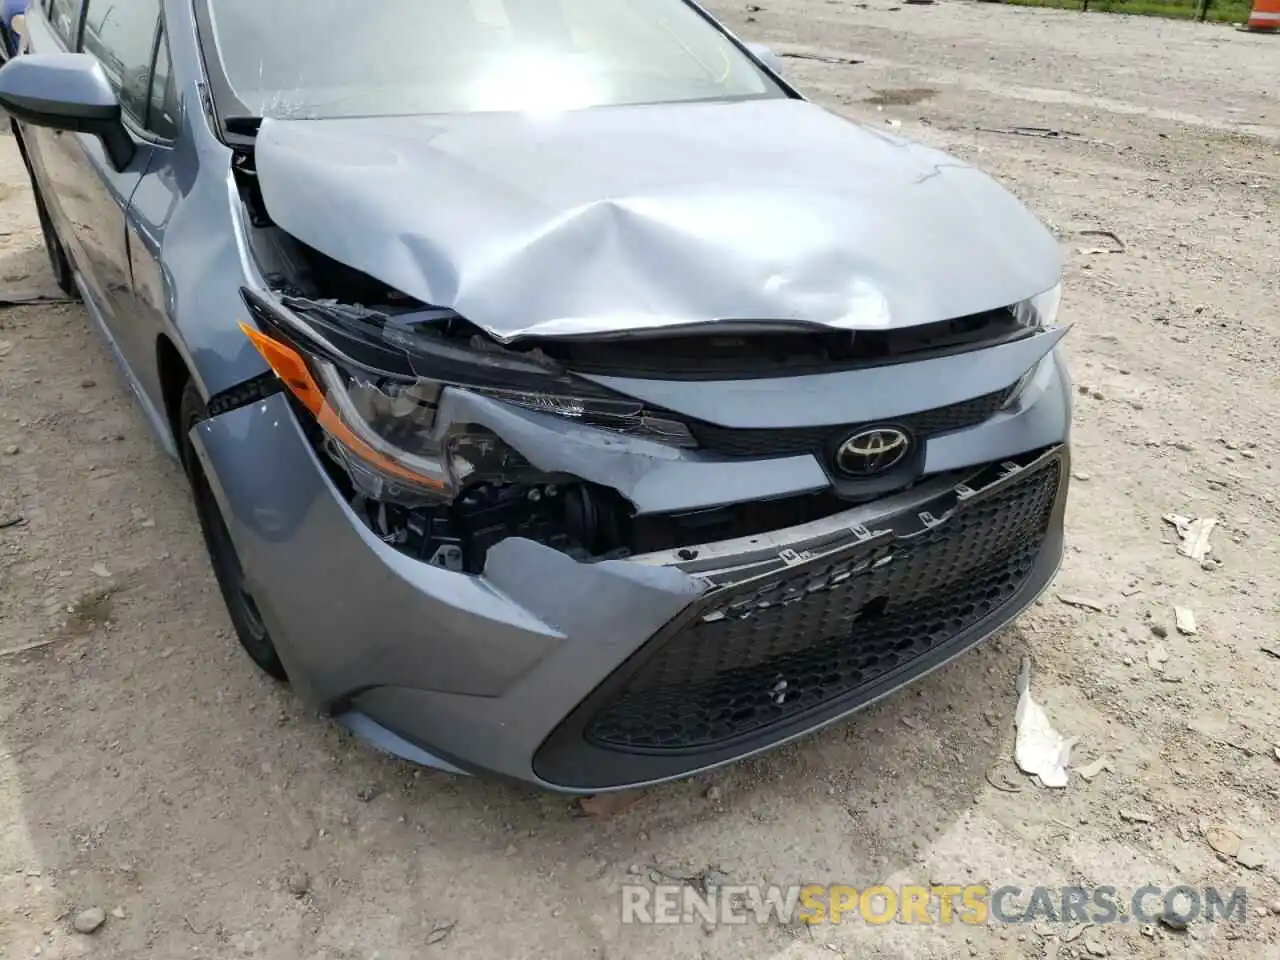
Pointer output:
x,y
334,58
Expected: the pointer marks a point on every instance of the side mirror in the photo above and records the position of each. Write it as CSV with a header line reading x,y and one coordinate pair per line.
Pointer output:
x,y
66,91
766,56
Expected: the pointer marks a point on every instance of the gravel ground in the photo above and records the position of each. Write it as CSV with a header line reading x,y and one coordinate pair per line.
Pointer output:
x,y
147,771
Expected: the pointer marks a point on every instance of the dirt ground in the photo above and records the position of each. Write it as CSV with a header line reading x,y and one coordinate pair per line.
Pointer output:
x,y
146,769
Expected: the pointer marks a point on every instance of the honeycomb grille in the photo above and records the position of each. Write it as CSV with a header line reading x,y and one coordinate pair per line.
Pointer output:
x,y
792,441
825,630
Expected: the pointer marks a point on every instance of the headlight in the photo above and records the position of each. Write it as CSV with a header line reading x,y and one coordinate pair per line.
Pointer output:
x,y
1034,313
374,387
1040,311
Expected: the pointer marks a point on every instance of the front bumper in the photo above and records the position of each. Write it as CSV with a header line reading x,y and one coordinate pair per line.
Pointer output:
x,y
587,677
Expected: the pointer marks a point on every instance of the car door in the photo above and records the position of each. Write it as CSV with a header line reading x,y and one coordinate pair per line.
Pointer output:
x,y
54,27
87,197
122,36
147,218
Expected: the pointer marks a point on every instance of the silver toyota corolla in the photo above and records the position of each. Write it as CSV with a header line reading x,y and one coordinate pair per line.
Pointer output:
x,y
563,395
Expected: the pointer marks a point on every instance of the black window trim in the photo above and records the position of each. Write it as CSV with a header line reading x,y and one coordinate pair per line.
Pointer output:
x,y
72,44
161,40
220,101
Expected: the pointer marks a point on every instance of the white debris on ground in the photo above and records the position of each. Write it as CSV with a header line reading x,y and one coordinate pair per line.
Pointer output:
x,y
1185,620
1194,534
1039,749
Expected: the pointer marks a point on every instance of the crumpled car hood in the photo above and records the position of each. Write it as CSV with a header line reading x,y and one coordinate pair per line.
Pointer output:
x,y
630,218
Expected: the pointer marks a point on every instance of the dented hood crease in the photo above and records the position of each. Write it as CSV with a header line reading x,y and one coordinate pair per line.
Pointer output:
x,y
632,218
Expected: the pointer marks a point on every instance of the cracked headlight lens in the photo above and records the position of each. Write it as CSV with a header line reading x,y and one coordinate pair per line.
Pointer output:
x,y
376,407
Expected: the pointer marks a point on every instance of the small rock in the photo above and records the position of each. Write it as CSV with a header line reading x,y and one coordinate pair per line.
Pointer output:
x,y
88,921
1223,841
1157,657
1274,907
13,450
298,883
712,794
1159,630
605,804
1081,477
1127,661
118,913
511,850
1094,947
1091,770
88,383
1173,921
1249,858
366,793
634,870
1135,816
100,570
440,930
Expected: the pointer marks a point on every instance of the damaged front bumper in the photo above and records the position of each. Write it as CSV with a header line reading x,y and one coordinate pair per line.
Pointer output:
x,y
592,676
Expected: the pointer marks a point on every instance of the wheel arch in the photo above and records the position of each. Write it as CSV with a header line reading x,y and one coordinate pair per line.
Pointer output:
x,y
174,374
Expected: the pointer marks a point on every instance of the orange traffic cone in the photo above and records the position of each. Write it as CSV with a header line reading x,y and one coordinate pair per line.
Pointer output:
x,y
1265,16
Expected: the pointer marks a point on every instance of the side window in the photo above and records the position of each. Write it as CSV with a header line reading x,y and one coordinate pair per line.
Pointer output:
x,y
162,113
121,35
64,16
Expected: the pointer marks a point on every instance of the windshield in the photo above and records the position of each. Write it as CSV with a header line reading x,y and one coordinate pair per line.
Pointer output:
x,y
353,58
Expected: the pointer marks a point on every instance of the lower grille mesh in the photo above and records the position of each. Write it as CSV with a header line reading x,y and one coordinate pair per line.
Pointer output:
x,y
823,630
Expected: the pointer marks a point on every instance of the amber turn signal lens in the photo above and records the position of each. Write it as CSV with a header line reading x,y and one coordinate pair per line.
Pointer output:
x,y
293,371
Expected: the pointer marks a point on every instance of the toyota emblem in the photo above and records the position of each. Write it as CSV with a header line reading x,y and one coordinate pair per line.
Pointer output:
x,y
871,452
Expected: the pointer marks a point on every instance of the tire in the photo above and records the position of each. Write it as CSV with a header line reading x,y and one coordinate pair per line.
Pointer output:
x,y
246,619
